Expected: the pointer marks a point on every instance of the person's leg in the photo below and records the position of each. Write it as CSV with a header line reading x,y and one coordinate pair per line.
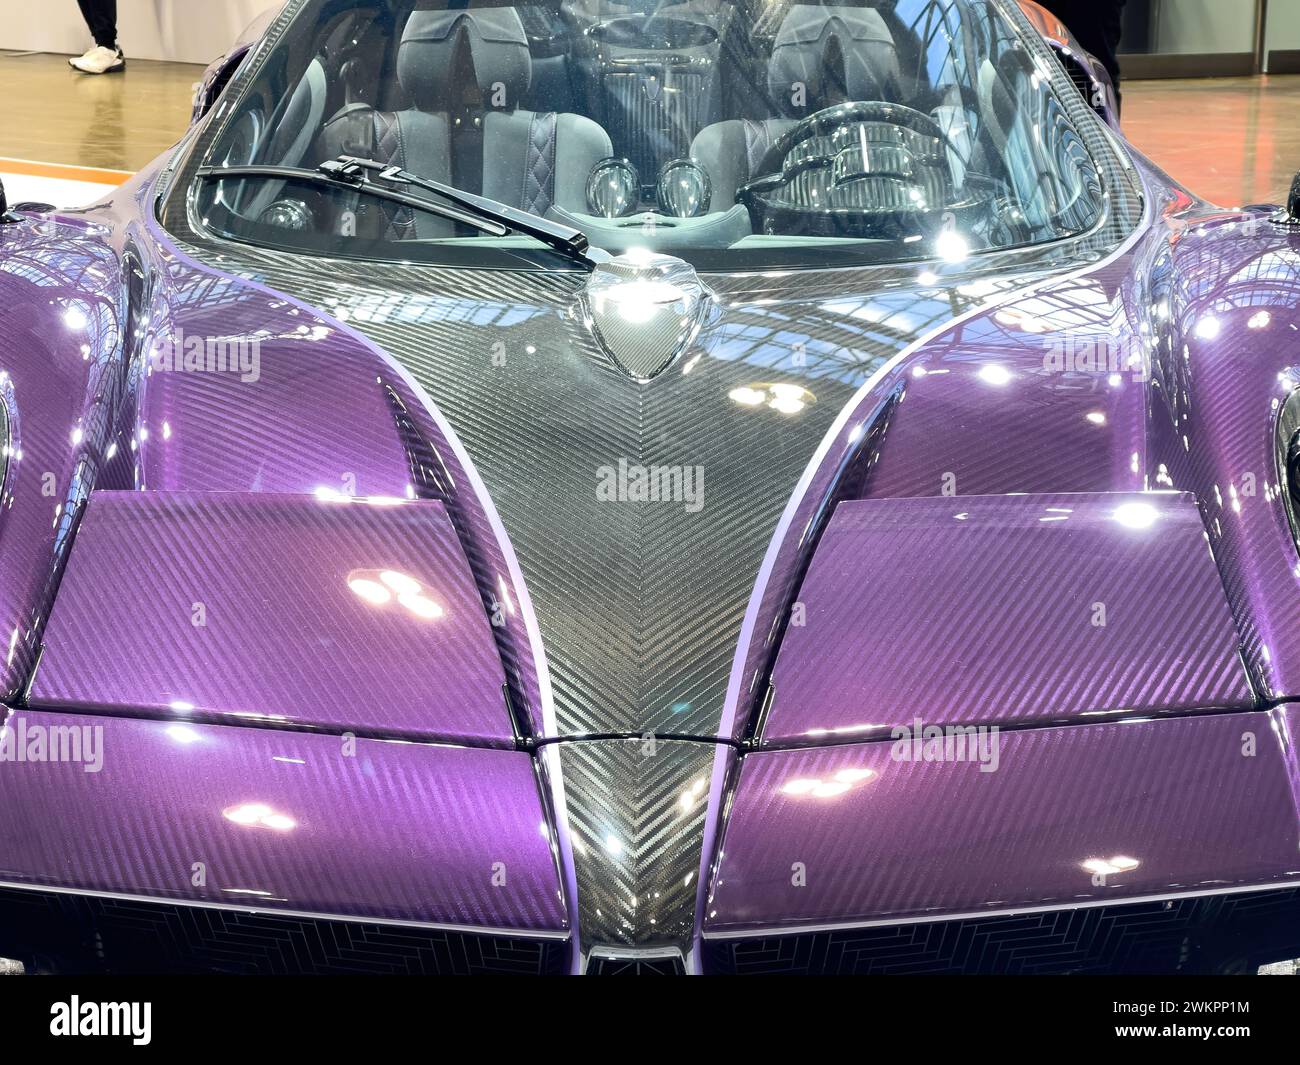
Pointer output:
x,y
106,57
101,17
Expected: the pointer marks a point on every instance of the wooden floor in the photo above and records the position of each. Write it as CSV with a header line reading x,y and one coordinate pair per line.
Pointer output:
x,y
1231,140
117,121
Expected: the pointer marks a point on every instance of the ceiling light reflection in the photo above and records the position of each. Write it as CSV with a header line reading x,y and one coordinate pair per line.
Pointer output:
x,y
1109,866
1136,515
380,588
993,374
782,397
839,782
259,815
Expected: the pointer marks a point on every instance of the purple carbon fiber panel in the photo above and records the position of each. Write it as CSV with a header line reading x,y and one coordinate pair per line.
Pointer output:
x,y
321,409
288,609
1076,814
997,608
279,820
1227,354
60,381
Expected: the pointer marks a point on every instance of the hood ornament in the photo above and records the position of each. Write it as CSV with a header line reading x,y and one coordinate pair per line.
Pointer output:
x,y
644,310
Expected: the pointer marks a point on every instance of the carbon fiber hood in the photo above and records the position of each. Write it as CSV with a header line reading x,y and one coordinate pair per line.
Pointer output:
x,y
640,600
640,512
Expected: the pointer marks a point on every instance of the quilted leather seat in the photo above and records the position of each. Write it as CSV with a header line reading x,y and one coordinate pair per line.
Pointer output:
x,y
464,73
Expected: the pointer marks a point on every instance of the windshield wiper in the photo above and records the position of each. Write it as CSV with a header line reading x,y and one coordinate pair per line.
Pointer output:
x,y
390,183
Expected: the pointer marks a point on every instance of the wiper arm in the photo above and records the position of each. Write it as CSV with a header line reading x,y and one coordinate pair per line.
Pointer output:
x,y
478,212
565,239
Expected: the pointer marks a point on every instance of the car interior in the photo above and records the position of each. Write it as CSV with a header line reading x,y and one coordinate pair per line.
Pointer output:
x,y
705,123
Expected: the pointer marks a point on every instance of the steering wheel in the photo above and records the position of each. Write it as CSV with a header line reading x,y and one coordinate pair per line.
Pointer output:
x,y
868,169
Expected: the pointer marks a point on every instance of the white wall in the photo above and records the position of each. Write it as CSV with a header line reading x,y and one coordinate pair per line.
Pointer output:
x,y
1284,25
1198,26
188,31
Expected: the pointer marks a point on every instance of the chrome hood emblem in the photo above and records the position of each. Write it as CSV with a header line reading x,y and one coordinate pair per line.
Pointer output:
x,y
644,310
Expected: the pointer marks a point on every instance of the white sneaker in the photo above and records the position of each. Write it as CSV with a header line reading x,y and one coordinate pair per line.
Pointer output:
x,y
100,61
76,59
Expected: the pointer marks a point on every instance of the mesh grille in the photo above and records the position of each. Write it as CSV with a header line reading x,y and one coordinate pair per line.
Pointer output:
x,y
1209,934
72,934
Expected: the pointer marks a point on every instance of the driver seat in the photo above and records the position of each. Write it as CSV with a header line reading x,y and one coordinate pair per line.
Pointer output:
x,y
821,56
465,74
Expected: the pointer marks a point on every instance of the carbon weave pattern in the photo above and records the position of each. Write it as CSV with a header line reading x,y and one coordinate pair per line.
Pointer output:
x,y
636,811
1210,934
73,934
638,617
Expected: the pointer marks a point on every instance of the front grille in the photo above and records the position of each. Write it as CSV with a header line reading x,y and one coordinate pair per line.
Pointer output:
x,y
73,934
1210,934
633,965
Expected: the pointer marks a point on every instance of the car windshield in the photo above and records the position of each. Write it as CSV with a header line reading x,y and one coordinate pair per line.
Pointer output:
x,y
736,135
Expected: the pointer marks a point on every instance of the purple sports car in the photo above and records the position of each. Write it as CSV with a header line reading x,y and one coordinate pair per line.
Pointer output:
x,y
728,486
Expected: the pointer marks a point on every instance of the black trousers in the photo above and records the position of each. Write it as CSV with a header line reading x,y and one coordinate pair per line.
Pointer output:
x,y
1096,24
101,17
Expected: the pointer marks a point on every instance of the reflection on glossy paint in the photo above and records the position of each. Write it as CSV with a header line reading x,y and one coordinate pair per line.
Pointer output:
x,y
1109,866
836,784
1208,328
380,587
183,734
951,246
691,796
639,301
370,591
259,815
993,374
782,397
1136,515
326,494
1014,316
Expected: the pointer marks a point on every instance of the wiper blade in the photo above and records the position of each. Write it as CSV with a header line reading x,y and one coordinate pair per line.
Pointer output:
x,y
391,182
566,239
